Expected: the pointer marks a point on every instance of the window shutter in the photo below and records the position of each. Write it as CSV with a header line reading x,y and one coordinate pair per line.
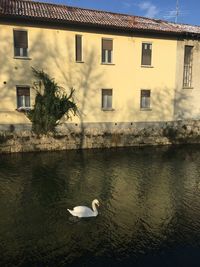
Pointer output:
x,y
145,93
107,44
107,92
146,54
78,48
23,91
20,39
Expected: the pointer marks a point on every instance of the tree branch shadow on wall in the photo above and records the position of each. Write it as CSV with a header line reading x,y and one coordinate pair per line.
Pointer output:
x,y
18,72
86,78
59,63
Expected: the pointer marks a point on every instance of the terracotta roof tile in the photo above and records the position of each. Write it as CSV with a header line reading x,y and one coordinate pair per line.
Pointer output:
x,y
72,15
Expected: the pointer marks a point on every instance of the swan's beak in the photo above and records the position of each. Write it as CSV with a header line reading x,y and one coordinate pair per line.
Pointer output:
x,y
98,204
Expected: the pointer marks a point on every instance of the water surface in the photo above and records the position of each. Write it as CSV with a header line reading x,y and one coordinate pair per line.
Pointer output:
x,y
149,213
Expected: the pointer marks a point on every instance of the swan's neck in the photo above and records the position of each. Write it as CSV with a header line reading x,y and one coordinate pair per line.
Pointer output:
x,y
94,207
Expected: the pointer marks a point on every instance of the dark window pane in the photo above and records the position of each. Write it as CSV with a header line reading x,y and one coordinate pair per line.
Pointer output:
x,y
27,101
24,52
103,55
78,48
17,52
103,101
109,56
109,101
20,101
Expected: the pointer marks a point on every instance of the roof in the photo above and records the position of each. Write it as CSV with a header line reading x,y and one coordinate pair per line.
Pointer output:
x,y
46,12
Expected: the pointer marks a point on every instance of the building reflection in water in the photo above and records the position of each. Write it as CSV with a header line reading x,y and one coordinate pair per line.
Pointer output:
x,y
149,200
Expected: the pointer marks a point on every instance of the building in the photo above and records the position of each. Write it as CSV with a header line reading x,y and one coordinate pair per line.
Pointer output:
x,y
187,93
125,69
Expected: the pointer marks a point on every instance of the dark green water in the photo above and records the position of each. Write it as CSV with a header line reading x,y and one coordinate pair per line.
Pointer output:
x,y
149,213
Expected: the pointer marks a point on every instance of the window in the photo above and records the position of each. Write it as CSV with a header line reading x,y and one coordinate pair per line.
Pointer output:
x,y
187,72
146,54
107,51
107,99
23,97
20,43
78,40
145,99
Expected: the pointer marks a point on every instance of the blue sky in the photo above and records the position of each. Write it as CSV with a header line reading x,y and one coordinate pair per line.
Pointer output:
x,y
162,9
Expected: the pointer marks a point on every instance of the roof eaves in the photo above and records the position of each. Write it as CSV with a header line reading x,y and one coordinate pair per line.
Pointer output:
x,y
62,22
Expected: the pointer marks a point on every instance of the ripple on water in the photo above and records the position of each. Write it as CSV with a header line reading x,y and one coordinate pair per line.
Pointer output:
x,y
149,213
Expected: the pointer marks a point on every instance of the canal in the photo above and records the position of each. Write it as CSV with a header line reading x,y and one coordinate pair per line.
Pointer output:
x,y
149,212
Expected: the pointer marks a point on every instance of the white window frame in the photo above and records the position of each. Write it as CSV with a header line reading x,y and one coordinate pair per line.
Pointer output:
x,y
106,56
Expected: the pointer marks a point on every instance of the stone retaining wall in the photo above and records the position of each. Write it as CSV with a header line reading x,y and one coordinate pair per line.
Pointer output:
x,y
178,132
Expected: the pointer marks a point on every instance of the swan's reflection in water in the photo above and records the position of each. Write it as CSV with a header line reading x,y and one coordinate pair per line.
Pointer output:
x,y
149,213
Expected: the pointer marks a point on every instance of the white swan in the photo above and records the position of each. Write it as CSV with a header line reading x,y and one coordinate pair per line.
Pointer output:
x,y
83,211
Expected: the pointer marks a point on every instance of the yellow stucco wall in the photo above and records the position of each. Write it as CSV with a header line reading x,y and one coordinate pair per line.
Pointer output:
x,y
53,50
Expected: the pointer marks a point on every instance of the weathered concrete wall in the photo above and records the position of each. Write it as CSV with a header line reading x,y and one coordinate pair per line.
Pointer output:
x,y
179,132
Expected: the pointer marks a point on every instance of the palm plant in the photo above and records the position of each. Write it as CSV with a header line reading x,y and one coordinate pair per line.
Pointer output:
x,y
51,103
